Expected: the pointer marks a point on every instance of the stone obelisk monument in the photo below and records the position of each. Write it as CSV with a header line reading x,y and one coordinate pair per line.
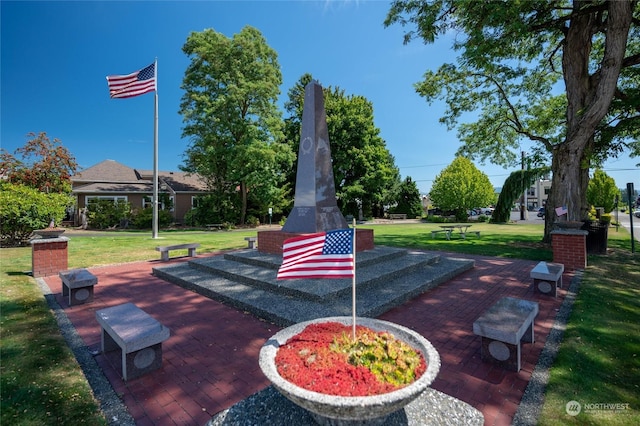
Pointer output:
x,y
314,207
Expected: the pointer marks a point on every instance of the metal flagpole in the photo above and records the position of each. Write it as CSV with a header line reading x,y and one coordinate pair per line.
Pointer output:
x,y
353,284
155,159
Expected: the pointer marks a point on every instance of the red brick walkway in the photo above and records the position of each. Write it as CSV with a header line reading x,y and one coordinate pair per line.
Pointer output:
x,y
211,358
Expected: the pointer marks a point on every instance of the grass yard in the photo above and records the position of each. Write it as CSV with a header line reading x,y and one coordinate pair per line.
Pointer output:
x,y
41,383
599,360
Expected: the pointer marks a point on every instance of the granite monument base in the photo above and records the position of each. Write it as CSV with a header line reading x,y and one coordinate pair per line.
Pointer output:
x,y
270,242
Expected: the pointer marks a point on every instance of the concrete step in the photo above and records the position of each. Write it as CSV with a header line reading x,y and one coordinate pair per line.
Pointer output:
x,y
374,268
298,303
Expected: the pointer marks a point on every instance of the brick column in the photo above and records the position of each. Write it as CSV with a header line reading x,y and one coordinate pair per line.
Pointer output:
x,y
49,256
570,248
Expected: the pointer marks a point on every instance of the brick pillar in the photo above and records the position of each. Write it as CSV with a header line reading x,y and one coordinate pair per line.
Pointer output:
x,y
570,248
49,256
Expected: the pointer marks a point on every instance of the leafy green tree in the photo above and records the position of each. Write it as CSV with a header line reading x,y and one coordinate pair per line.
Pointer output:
x,y
231,117
461,187
41,163
24,209
364,170
602,191
561,74
409,201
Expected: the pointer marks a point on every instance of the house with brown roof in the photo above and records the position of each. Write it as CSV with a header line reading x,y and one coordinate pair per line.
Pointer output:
x,y
110,180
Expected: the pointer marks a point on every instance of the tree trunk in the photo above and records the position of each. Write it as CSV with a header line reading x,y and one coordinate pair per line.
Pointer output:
x,y
243,211
588,99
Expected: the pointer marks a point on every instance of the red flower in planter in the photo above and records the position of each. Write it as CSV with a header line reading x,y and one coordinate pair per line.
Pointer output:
x,y
324,358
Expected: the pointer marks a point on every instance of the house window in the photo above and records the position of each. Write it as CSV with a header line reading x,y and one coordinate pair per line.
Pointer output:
x,y
166,202
195,201
115,198
146,202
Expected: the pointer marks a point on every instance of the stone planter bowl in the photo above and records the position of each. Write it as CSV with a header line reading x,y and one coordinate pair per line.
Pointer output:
x,y
49,232
350,410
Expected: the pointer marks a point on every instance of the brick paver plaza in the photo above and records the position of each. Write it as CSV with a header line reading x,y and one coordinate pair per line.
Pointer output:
x,y
211,359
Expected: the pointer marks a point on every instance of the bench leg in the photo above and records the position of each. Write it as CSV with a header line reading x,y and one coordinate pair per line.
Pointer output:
x,y
463,235
528,336
448,234
78,296
65,292
164,255
135,364
192,252
500,353
107,343
548,287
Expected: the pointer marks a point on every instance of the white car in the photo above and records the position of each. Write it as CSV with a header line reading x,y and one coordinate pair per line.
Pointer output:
x,y
636,213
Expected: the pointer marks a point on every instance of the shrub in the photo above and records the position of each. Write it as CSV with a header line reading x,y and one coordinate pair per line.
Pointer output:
x,y
24,209
104,214
143,219
253,221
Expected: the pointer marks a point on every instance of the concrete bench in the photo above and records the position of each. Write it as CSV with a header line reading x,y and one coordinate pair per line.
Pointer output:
x,y
397,216
447,233
251,242
547,277
215,225
502,327
136,334
77,285
164,250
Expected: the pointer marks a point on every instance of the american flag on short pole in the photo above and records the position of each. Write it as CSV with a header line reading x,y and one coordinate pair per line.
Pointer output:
x,y
321,255
561,210
134,84
329,254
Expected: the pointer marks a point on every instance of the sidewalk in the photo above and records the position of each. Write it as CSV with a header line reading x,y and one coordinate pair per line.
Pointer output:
x,y
211,358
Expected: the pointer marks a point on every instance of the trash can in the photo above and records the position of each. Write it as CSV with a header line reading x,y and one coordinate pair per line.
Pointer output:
x,y
597,236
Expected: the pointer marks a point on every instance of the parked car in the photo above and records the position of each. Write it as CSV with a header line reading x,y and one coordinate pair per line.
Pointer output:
x,y
541,212
637,213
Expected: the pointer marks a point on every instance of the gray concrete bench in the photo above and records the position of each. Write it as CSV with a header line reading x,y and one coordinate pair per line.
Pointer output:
x,y
251,242
547,277
214,226
164,250
136,334
447,233
502,327
397,216
77,285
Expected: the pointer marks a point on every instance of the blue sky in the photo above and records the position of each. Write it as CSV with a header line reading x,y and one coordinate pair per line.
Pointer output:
x,y
56,55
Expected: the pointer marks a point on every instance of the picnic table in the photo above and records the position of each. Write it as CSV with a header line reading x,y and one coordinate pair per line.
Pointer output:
x,y
450,229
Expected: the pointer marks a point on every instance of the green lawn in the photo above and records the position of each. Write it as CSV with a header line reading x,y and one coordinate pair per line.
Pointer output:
x,y
41,383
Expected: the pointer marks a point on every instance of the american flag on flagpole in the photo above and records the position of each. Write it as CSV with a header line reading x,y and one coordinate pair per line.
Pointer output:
x,y
134,84
320,255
